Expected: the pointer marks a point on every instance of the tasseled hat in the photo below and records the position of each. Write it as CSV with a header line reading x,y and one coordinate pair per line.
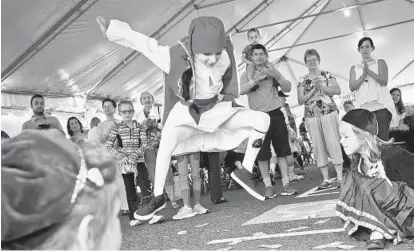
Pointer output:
x,y
206,35
42,174
363,119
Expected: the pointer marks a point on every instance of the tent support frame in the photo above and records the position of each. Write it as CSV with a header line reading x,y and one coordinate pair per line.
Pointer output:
x,y
72,15
286,28
361,17
198,7
313,15
303,64
403,69
343,35
307,27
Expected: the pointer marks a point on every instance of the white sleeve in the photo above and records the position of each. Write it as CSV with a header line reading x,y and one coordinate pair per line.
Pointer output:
x,y
121,33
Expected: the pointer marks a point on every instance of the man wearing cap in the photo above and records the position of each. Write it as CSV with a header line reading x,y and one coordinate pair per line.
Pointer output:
x,y
197,69
262,93
39,120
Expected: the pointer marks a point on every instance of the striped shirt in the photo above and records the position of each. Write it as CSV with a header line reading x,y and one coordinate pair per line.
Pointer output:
x,y
132,146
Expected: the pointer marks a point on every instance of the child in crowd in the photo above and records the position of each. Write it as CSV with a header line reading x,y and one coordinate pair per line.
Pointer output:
x,y
187,211
253,35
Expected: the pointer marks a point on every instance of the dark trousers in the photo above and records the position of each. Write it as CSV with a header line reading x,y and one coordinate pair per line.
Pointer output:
x,y
404,136
298,158
131,193
384,121
143,179
347,161
214,174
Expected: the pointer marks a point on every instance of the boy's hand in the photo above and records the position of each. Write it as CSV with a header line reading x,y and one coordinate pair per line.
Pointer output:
x,y
103,25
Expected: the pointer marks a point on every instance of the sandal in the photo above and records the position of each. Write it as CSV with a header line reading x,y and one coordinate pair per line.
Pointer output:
x,y
375,244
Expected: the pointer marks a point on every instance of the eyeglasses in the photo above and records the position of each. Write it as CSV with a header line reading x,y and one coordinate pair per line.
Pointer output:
x,y
125,112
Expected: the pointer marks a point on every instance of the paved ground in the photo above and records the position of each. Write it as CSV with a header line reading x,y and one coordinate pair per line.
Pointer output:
x,y
292,222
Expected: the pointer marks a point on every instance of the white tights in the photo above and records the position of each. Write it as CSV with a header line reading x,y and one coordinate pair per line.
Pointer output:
x,y
171,137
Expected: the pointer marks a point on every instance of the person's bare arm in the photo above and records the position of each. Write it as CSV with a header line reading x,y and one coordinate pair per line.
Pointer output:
x,y
246,85
244,59
285,84
334,89
302,97
382,76
354,83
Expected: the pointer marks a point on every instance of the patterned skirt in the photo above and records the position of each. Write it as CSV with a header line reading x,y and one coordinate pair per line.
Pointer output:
x,y
366,204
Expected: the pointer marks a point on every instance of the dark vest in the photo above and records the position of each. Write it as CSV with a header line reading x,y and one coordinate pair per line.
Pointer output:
x,y
181,59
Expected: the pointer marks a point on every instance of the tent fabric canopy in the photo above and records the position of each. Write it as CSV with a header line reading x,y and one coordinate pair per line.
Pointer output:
x,y
56,47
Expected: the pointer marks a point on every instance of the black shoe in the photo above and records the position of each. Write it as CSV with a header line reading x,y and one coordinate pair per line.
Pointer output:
x,y
147,211
242,176
219,201
375,244
124,212
257,143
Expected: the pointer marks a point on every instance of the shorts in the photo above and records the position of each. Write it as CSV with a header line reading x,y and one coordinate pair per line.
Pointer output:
x,y
277,135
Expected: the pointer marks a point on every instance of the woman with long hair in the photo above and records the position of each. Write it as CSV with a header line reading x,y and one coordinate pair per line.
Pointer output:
x,y
197,69
57,195
400,130
369,80
376,202
75,130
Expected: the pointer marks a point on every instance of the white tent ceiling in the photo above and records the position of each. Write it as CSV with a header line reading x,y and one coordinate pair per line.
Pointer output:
x,y
56,48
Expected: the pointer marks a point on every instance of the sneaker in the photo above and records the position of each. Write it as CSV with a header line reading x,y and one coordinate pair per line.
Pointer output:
x,y
184,212
270,193
199,209
134,223
324,185
296,177
175,204
287,191
242,177
146,200
156,219
336,183
147,211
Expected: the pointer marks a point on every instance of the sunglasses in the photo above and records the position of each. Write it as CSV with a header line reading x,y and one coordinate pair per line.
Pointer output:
x,y
125,112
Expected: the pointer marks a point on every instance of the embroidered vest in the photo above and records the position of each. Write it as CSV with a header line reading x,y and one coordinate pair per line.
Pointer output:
x,y
180,61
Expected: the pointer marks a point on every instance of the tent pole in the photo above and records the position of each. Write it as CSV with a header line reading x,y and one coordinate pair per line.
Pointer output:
x,y
303,64
71,16
307,27
21,108
234,27
135,54
286,27
313,15
410,1
361,18
292,75
343,35
403,69
31,93
198,7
